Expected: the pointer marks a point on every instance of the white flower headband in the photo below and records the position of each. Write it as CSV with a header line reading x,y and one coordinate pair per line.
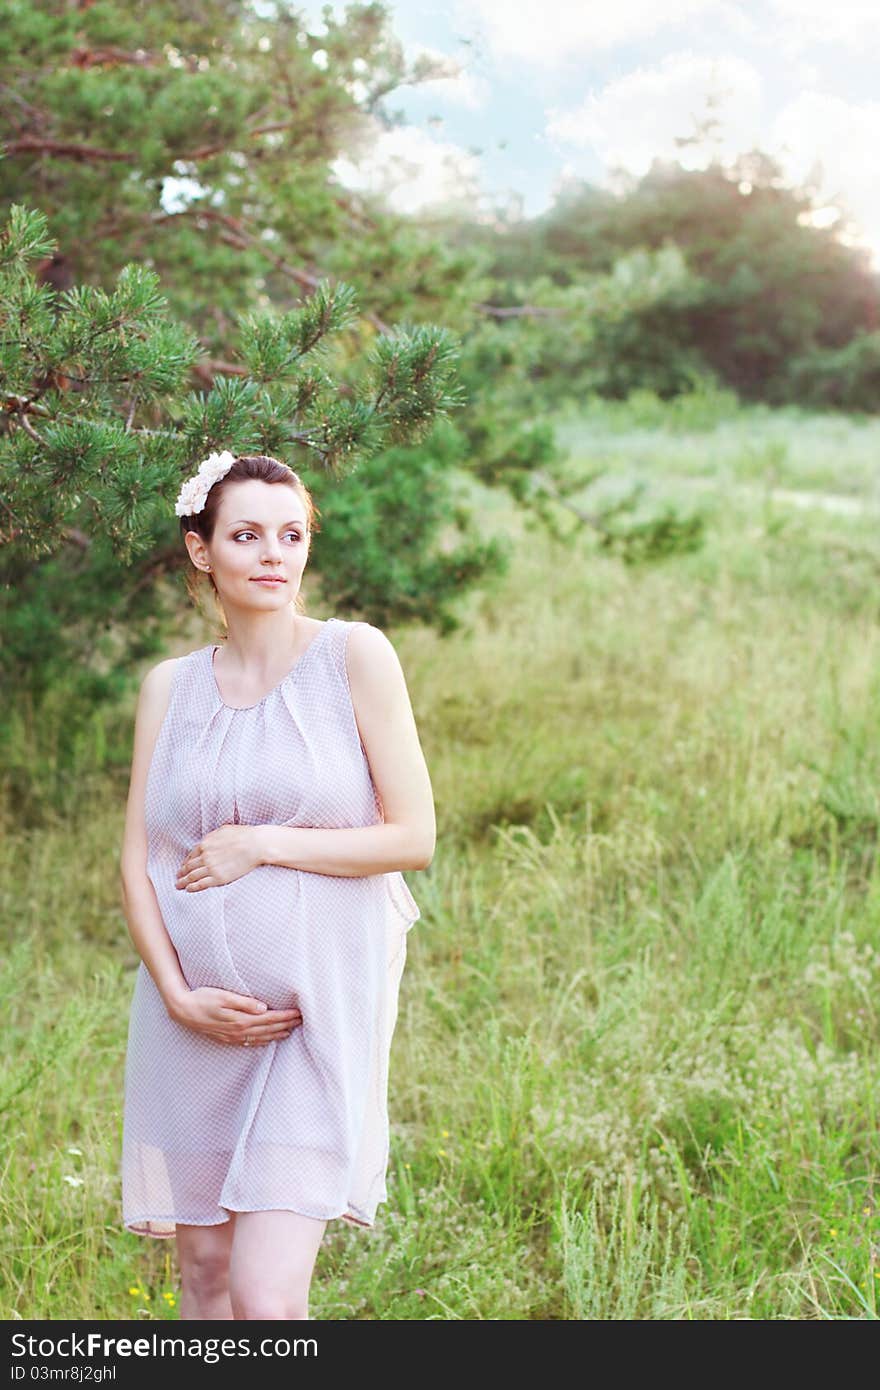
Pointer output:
x,y
194,492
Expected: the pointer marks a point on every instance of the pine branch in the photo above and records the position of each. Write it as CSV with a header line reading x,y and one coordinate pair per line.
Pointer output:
x,y
112,57
207,370
66,148
520,311
304,278
206,151
29,429
548,485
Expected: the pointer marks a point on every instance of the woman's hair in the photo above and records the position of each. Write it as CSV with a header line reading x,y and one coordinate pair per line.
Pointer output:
x,y
268,470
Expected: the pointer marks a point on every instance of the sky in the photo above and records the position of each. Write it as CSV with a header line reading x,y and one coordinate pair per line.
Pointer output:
x,y
541,92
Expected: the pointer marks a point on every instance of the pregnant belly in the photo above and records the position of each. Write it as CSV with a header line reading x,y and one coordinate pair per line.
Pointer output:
x,y
262,922
286,937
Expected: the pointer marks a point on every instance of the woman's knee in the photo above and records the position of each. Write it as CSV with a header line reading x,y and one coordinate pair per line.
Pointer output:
x,y
263,1306
273,1259
203,1253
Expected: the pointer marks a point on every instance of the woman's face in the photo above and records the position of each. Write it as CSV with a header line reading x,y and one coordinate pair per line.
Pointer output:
x,y
260,535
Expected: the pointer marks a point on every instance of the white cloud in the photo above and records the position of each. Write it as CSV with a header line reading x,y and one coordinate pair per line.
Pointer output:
x,y
850,22
413,170
635,118
550,32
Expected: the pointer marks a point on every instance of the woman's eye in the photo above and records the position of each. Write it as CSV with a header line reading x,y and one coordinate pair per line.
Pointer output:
x,y
238,535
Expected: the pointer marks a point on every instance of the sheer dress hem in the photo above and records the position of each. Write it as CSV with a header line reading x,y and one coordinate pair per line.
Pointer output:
x,y
165,1227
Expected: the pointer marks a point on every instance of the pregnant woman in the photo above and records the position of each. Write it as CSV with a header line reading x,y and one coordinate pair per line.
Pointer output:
x,y
278,789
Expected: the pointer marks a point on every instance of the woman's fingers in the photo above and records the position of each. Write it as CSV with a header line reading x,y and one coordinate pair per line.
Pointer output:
x,y
269,1018
253,1034
246,1003
280,1030
259,1036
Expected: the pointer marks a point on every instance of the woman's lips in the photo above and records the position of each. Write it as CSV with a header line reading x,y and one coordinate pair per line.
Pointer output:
x,y
268,581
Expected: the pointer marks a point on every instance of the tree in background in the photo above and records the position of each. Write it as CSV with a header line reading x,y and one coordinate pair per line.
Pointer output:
x,y
198,141
760,298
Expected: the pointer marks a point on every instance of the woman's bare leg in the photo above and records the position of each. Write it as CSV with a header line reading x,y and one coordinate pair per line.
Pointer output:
x,y
270,1269
203,1254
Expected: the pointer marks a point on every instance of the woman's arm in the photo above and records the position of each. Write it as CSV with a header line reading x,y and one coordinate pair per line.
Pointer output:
x,y
384,716
140,905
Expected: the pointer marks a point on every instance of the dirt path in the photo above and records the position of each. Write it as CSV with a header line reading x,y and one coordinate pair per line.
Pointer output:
x,y
827,501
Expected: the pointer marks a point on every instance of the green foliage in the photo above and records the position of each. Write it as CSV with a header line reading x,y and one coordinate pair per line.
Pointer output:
x,y
843,378
758,289
607,335
199,142
377,528
662,535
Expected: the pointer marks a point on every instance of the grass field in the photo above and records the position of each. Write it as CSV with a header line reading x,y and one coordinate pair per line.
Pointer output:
x,y
635,1073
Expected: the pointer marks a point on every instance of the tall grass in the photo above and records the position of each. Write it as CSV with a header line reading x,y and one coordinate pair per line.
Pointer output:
x,y
635,1068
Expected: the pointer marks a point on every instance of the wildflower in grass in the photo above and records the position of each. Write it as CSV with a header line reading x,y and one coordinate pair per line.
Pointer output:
x,y
421,1292
442,1153
445,1133
169,1298
407,1165
75,1151
134,1289
833,1232
74,1182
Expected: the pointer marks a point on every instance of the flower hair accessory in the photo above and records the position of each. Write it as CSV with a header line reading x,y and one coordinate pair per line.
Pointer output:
x,y
194,492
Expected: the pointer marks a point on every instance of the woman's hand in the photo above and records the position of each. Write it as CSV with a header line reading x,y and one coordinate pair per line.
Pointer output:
x,y
237,1019
222,855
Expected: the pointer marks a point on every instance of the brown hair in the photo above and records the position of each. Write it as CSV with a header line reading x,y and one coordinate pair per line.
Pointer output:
x,y
268,470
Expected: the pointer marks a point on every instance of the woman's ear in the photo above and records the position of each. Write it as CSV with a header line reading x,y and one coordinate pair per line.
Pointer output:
x,y
197,550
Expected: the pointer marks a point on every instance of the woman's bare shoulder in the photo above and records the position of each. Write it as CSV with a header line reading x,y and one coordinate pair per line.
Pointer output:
x,y
155,691
365,633
159,677
369,644
372,664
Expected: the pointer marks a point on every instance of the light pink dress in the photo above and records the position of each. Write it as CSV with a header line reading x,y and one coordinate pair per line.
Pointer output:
x,y
300,1124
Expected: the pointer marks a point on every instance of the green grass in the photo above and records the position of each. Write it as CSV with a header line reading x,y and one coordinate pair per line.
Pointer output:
x,y
635,1068
707,435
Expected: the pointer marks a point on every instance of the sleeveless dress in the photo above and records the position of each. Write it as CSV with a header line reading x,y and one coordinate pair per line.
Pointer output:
x,y
300,1124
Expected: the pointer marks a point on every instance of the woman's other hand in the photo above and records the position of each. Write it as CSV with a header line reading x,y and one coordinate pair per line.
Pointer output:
x,y
237,1019
222,855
